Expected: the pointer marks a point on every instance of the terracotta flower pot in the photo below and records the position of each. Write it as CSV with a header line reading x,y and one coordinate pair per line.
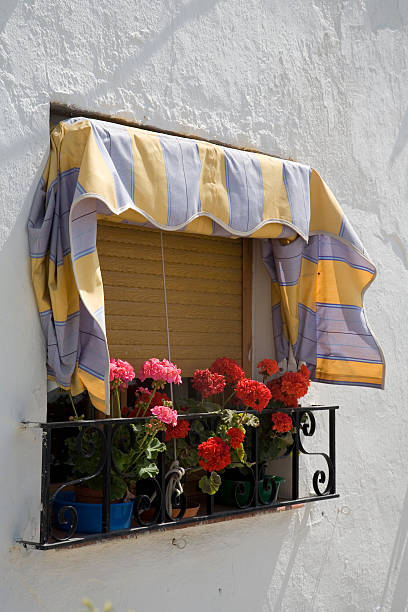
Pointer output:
x,y
85,495
189,513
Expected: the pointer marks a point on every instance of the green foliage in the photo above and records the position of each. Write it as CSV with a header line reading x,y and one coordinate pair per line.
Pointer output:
x,y
232,418
210,484
137,462
186,453
196,406
153,448
251,420
272,445
239,454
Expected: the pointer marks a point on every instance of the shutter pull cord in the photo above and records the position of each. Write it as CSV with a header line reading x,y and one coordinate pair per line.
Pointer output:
x,y
175,473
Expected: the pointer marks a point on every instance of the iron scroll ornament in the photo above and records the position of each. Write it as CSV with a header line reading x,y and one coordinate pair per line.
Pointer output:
x,y
305,422
269,486
87,450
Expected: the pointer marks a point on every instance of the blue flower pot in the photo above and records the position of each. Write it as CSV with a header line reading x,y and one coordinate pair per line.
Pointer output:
x,y
90,515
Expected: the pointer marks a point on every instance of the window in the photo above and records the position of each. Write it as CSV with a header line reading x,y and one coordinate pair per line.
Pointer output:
x,y
208,282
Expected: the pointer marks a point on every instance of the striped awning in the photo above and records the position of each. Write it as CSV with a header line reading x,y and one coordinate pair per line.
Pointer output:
x,y
150,179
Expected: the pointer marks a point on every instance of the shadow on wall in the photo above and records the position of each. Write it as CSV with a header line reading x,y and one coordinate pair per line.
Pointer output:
x,y
222,567
392,14
20,328
22,380
402,138
7,9
300,535
396,584
188,12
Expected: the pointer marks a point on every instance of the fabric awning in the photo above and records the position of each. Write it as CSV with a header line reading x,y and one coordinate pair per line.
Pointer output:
x,y
180,184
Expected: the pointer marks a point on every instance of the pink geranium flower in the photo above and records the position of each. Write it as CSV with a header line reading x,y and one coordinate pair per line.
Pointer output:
x,y
160,370
113,374
165,414
121,372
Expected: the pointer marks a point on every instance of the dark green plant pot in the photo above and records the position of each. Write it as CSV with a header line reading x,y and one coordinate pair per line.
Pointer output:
x,y
268,489
237,492
234,493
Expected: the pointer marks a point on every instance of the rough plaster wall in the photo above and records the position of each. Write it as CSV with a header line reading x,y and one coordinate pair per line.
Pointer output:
x,y
324,82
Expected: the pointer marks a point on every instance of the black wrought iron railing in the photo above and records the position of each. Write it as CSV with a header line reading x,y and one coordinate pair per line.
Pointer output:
x,y
256,491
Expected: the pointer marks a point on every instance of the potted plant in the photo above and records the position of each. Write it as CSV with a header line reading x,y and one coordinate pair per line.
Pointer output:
x,y
238,485
135,448
132,463
210,447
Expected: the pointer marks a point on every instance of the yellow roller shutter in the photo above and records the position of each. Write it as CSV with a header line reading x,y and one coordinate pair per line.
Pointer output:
x,y
204,294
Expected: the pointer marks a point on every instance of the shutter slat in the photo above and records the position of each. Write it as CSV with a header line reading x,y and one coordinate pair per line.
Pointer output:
x,y
183,353
107,232
174,271
158,324
152,255
179,339
116,308
137,279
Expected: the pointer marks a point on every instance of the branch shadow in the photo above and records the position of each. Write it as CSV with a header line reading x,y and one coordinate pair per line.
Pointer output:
x,y
300,535
401,140
188,12
398,563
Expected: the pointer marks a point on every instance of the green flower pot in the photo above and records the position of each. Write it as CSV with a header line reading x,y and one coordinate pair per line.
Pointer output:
x,y
237,492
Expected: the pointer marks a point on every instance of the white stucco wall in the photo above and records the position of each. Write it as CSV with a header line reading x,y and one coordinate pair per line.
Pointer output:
x,y
324,82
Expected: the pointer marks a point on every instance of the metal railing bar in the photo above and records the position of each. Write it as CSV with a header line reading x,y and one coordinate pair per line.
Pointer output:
x,y
193,416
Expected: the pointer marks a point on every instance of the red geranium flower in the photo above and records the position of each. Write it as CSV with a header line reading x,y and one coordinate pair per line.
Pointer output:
x,y
282,423
304,370
291,401
208,383
267,367
158,399
253,394
178,431
236,437
290,387
228,368
295,383
215,454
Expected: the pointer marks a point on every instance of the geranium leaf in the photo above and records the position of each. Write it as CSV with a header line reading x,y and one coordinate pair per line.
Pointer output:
x,y
210,485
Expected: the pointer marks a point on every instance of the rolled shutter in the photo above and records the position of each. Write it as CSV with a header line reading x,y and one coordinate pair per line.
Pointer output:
x,y
204,294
